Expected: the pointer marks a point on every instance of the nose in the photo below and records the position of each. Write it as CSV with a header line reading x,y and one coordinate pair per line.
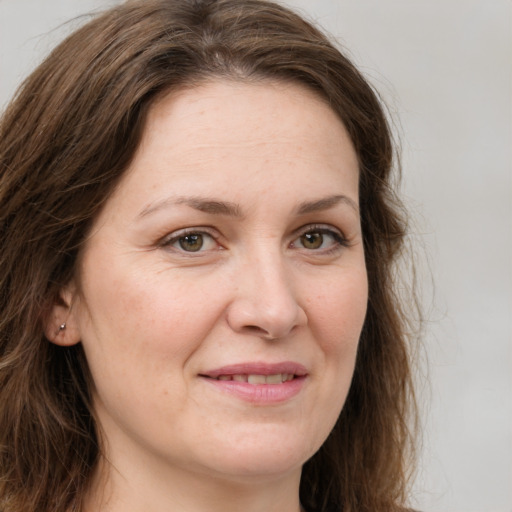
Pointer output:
x,y
265,302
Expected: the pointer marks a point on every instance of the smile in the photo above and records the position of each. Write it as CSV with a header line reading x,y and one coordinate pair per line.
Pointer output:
x,y
259,383
277,378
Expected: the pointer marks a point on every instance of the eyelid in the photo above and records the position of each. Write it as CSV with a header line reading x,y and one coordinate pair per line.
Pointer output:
x,y
338,235
168,240
324,228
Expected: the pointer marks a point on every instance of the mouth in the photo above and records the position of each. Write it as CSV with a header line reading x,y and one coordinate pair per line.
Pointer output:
x,y
258,372
259,383
255,379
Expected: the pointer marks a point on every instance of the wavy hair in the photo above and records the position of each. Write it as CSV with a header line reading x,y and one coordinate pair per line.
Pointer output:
x,y
66,140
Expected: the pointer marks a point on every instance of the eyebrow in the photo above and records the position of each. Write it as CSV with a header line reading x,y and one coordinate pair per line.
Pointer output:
x,y
216,207
202,204
326,203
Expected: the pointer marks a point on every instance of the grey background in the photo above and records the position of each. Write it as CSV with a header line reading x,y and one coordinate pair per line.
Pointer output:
x,y
444,69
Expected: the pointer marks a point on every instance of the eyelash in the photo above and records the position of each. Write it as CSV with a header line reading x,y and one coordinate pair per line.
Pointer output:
x,y
338,238
174,238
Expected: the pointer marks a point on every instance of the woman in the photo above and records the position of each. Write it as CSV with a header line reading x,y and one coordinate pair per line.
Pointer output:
x,y
198,302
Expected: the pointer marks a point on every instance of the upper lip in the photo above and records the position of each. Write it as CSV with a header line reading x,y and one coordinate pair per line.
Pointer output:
x,y
258,368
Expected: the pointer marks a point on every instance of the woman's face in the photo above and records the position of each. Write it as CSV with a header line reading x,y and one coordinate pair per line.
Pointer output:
x,y
223,288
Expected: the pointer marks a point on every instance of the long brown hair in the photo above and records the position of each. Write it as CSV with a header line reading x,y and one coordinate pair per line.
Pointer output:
x,y
65,142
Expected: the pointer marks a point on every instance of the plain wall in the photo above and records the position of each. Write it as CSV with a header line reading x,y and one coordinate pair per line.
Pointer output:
x,y
444,68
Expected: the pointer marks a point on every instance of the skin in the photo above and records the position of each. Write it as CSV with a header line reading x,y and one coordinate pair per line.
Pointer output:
x,y
272,281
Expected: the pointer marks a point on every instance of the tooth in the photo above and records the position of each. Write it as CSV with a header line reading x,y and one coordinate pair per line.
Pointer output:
x,y
224,377
240,378
289,377
256,379
275,379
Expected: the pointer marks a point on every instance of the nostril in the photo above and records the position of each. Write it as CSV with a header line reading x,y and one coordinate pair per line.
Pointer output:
x,y
255,329
259,331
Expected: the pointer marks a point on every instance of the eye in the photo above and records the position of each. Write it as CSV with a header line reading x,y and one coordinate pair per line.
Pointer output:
x,y
313,240
190,241
319,238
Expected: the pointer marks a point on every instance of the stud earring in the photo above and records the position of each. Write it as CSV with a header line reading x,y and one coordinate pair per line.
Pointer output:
x,y
62,326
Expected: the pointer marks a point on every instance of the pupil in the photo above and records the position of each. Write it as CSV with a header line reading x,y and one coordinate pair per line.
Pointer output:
x,y
191,243
312,240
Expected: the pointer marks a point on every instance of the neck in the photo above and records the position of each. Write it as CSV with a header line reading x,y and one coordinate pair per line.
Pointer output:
x,y
164,489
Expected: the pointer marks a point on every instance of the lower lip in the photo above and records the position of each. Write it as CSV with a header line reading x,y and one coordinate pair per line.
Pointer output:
x,y
260,393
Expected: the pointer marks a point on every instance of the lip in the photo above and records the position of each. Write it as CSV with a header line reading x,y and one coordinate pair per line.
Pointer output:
x,y
258,368
263,394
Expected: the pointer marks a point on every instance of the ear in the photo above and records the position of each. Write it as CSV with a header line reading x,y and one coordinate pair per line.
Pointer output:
x,y
61,326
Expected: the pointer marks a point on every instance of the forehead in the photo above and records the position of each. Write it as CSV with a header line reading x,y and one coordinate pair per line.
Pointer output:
x,y
229,100
230,114
227,135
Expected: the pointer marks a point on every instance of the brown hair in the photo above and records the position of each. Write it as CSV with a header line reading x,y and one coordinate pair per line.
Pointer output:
x,y
65,142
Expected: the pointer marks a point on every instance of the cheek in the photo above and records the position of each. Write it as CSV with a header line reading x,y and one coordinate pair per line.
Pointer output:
x,y
336,319
338,311
139,330
142,319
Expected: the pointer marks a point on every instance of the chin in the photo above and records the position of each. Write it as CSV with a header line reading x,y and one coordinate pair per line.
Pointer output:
x,y
266,454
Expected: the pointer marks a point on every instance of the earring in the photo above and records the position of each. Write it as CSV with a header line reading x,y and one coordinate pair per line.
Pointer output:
x,y
62,326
